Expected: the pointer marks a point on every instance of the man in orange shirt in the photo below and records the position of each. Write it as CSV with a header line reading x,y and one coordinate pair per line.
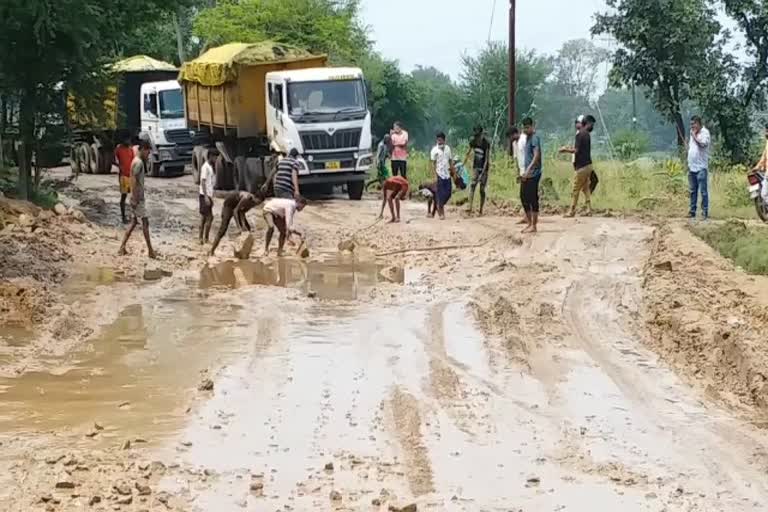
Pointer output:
x,y
124,156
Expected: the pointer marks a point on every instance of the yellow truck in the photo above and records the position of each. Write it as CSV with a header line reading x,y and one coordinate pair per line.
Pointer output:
x,y
254,102
145,102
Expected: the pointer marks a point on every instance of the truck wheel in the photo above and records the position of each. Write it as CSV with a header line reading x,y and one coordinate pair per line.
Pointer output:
x,y
95,160
225,179
105,159
74,159
239,176
84,158
355,190
154,169
196,164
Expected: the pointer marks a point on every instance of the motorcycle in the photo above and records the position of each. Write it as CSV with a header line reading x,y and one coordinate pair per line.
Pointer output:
x,y
756,181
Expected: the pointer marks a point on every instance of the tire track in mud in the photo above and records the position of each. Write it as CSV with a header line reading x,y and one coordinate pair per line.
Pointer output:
x,y
406,419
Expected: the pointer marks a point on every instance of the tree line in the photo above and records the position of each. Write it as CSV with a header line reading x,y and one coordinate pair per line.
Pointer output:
x,y
672,52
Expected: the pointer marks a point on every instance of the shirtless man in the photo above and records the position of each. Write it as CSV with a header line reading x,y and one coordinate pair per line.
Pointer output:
x,y
138,201
279,213
236,204
392,191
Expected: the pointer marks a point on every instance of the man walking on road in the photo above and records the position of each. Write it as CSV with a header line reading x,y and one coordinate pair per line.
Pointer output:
x,y
442,166
582,165
480,151
205,196
138,202
529,181
698,167
286,183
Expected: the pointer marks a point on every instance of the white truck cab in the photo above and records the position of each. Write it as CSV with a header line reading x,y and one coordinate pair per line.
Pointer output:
x,y
323,113
163,123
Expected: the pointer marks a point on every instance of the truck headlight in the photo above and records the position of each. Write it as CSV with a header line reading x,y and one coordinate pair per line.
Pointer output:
x,y
166,155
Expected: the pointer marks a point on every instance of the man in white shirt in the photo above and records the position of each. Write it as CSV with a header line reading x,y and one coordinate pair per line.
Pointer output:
x,y
442,167
279,213
205,195
698,167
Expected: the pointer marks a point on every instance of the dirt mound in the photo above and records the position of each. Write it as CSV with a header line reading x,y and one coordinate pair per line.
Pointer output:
x,y
706,318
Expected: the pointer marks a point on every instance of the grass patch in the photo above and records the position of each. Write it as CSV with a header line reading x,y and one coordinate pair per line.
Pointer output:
x,y
649,186
746,247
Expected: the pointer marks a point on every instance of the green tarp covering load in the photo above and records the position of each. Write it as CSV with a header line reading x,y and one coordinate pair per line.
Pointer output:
x,y
219,65
141,63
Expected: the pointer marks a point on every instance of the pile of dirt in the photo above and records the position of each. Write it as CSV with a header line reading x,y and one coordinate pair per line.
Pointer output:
x,y
706,318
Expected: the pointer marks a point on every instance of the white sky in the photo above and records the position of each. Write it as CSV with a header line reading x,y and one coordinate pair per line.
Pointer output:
x,y
437,32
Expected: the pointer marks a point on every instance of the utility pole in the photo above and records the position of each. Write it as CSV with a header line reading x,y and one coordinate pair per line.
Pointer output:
x,y
634,107
512,67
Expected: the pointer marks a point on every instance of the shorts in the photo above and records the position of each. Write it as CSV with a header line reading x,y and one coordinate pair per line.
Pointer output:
x,y
206,210
125,184
275,221
139,210
480,177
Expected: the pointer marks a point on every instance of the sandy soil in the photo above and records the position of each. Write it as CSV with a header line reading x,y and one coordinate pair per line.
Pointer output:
x,y
452,365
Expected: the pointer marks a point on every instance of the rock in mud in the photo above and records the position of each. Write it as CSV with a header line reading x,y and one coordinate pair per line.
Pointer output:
x,y
46,498
55,459
335,496
143,489
347,246
65,484
60,209
94,500
26,221
304,253
329,466
257,487
533,481
664,266
126,445
125,500
123,489
311,294
408,508
246,246
78,216
205,385
155,274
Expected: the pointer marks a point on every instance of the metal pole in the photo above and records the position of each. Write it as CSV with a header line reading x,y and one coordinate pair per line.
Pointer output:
x,y
634,108
512,59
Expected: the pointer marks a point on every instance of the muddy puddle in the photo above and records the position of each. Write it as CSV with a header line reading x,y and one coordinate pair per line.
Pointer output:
x,y
333,278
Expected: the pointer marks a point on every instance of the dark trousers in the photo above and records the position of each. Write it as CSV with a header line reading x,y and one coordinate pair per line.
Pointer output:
x,y
529,194
400,168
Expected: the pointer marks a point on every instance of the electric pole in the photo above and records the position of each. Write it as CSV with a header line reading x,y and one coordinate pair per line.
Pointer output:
x,y
512,59
634,107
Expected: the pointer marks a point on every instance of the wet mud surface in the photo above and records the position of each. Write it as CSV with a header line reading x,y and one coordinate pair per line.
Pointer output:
x,y
512,374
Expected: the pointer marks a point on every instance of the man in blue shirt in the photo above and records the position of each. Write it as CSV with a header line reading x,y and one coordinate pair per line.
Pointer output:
x,y
529,189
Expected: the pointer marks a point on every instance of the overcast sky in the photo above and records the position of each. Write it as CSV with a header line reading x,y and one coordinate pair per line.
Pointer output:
x,y
437,32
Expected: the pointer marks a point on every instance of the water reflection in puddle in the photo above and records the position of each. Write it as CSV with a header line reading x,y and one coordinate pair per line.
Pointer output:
x,y
338,278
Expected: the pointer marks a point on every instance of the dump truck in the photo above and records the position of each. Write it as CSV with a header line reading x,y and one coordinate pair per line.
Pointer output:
x,y
255,102
143,101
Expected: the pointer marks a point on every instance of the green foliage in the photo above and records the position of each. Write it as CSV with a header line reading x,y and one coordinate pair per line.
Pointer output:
x,y
630,144
746,246
438,96
574,68
321,26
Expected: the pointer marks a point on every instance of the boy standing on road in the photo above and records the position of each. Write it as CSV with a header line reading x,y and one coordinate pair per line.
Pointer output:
x,y
399,138
205,196
138,201
582,165
393,190
481,149
124,156
529,181
698,167
442,166
279,213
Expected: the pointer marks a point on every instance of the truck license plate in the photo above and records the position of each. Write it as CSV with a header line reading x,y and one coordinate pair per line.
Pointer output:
x,y
333,166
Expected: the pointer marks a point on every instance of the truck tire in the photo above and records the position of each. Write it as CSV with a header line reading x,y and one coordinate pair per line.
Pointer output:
x,y
95,160
197,163
255,175
84,158
105,161
225,179
355,190
74,159
154,169
240,175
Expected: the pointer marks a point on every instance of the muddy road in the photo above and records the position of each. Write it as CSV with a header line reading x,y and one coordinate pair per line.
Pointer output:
x,y
512,373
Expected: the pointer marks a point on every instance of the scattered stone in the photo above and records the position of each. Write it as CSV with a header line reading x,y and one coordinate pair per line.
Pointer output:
x,y
664,266
311,294
46,498
144,490
54,459
186,444
257,487
126,500
407,508
60,209
246,246
126,445
155,274
26,221
335,496
376,502
94,500
205,385
304,253
329,466
78,216
347,246
123,489
65,484
533,481
163,498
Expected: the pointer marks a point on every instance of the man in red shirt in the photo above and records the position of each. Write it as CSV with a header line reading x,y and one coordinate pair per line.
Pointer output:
x,y
124,156
393,190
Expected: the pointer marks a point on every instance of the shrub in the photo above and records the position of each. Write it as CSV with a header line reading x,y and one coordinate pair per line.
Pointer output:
x,y
630,144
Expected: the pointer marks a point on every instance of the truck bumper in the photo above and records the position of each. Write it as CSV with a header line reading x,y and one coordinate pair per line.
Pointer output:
x,y
332,178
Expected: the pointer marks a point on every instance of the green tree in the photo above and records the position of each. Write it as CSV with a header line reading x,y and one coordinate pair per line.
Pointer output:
x,y
664,47
50,47
438,94
322,26
574,67
482,88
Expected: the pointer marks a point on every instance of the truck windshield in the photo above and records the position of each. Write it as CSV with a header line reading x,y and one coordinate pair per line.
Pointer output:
x,y
326,97
171,104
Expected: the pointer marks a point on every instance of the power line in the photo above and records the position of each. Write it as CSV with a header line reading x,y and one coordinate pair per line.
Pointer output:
x,y
490,25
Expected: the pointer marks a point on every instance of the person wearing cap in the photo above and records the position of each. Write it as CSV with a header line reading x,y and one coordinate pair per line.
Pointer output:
x,y
582,165
286,180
